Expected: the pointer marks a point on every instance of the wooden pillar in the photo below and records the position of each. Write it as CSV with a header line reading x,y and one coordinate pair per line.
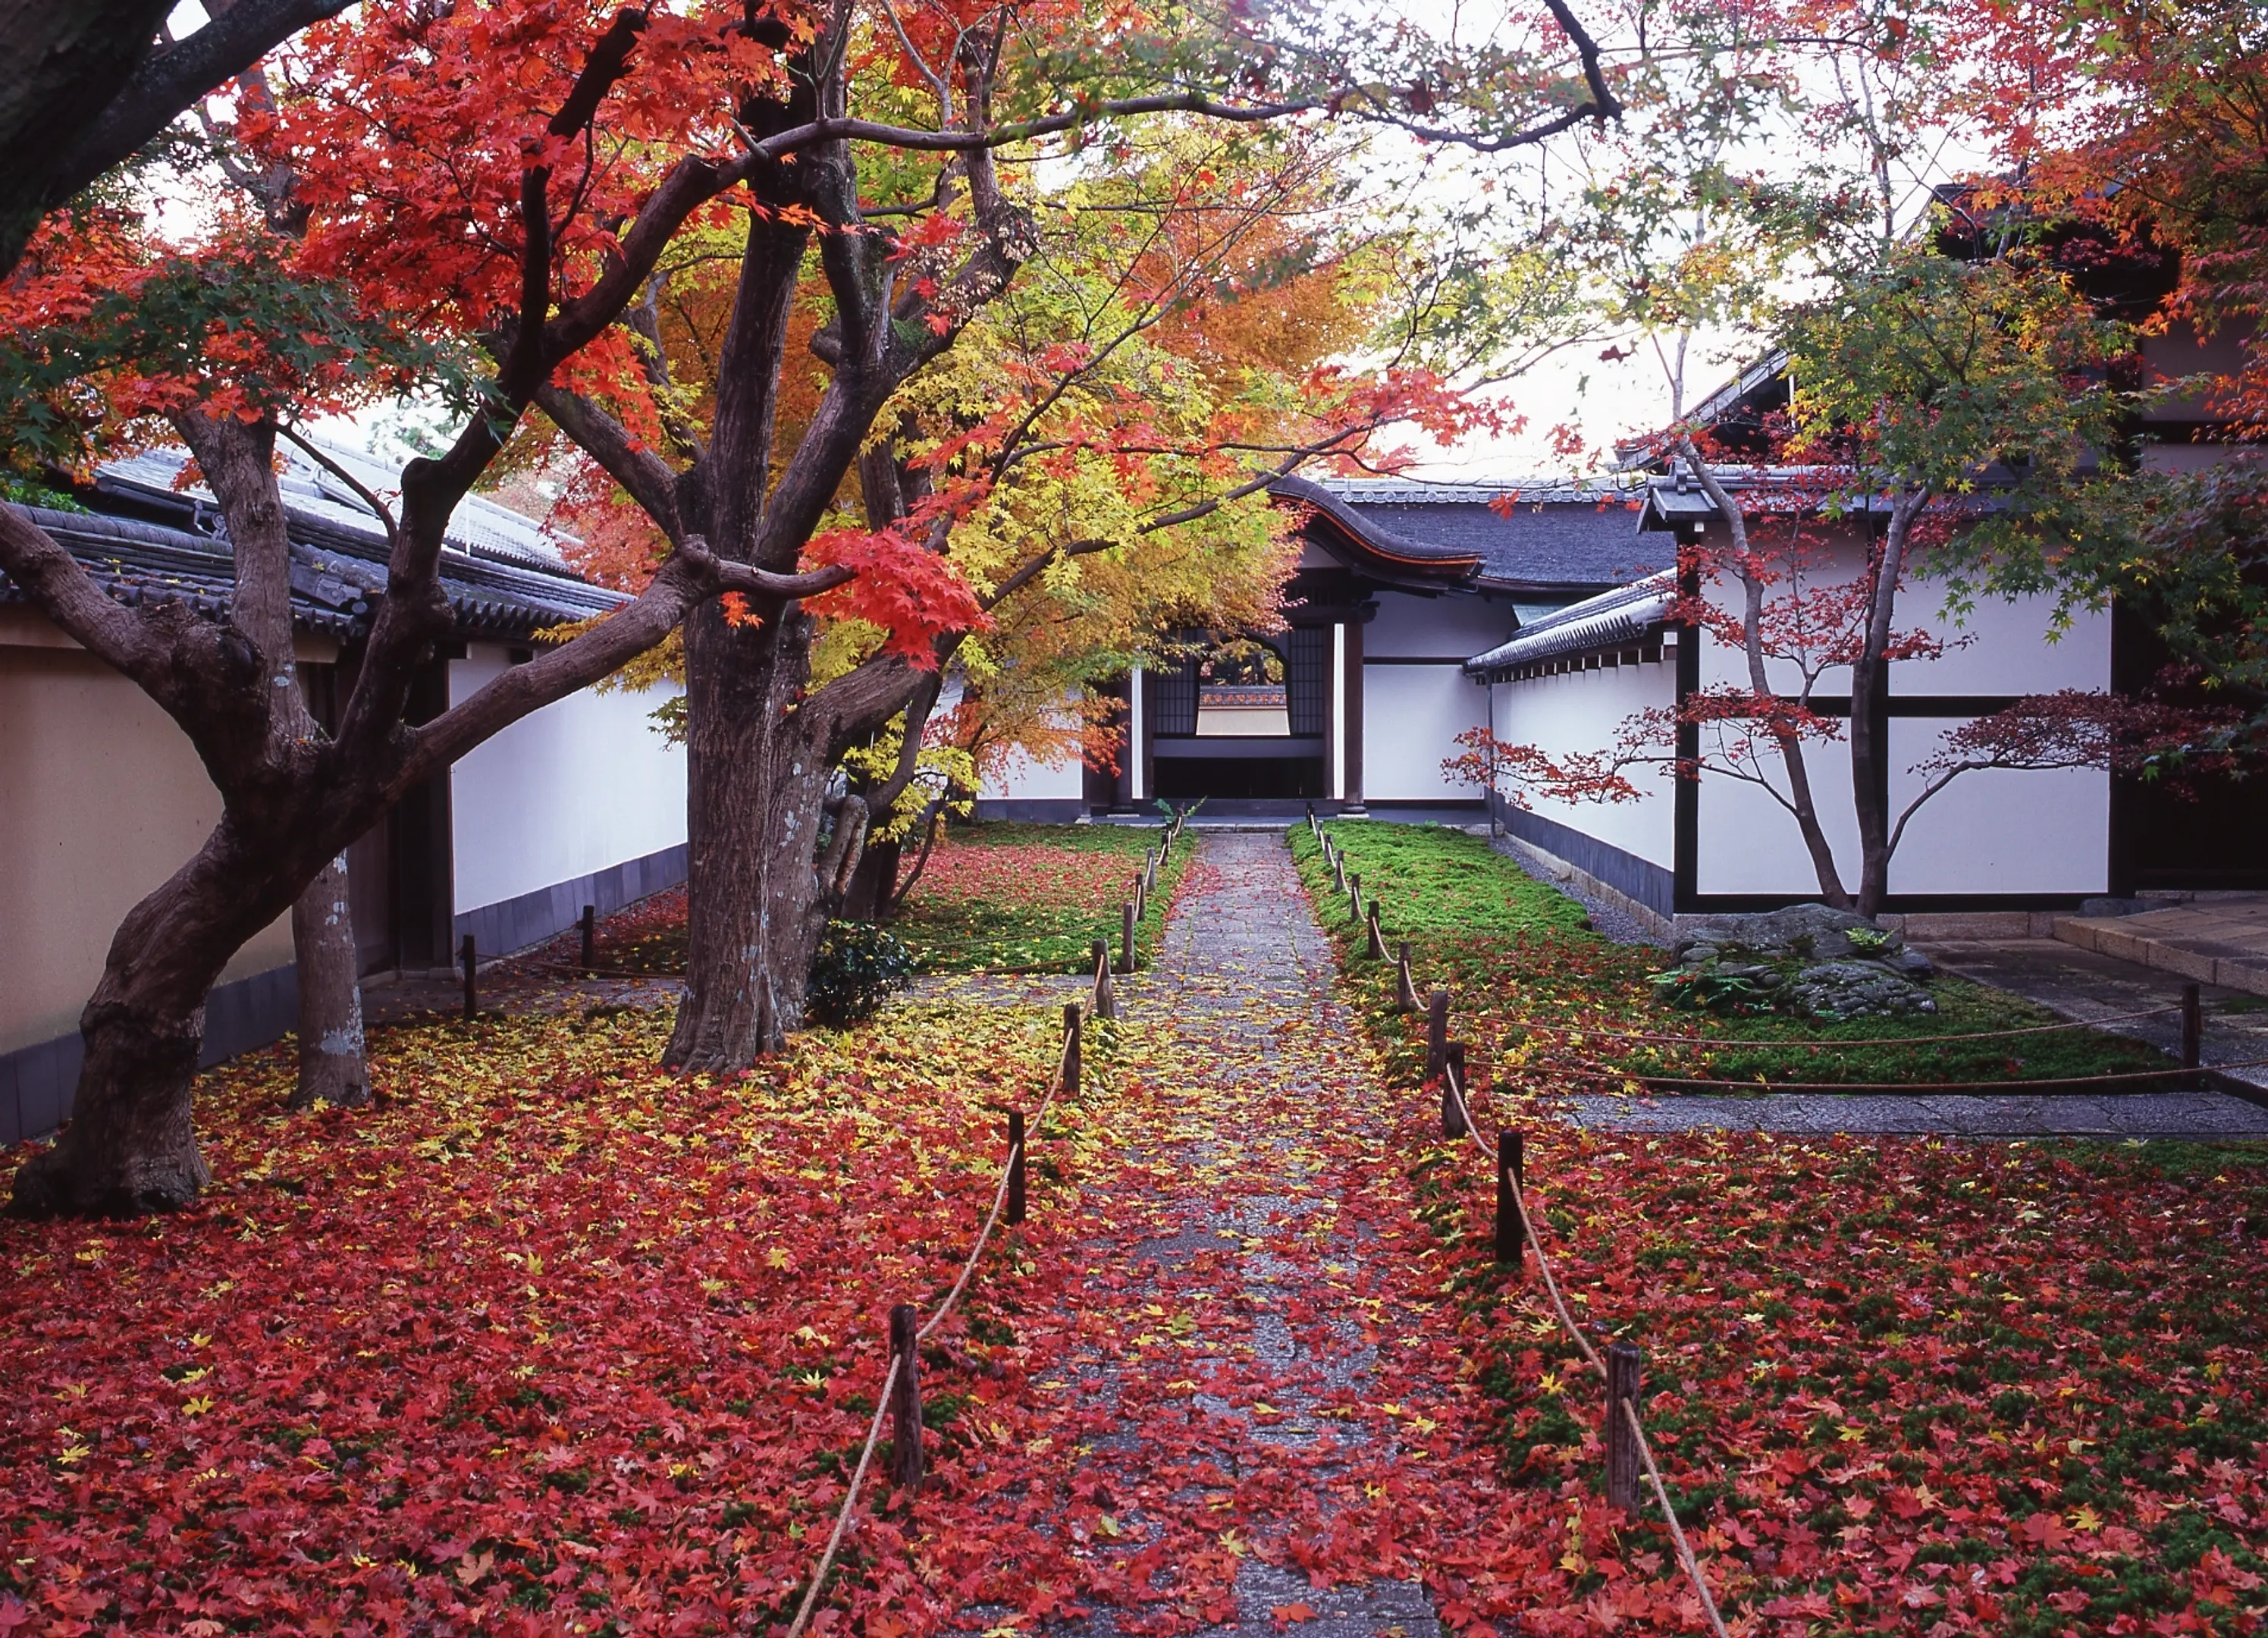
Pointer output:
x,y
905,1399
1510,1186
1437,1033
1625,1372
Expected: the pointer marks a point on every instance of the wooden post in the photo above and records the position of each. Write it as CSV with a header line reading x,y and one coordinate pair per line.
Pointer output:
x,y
471,961
590,937
1437,1033
1015,1212
1377,937
1354,899
1073,1049
1141,900
1338,872
1405,992
1126,942
1511,1192
2192,1026
1626,1371
1106,1004
1452,1091
905,1399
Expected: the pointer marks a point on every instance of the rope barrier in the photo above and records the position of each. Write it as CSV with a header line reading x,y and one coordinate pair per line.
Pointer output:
x,y
1677,1531
890,1382
849,1501
1692,1566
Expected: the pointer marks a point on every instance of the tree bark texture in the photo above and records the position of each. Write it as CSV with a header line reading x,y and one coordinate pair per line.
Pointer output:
x,y
334,1065
756,782
1870,790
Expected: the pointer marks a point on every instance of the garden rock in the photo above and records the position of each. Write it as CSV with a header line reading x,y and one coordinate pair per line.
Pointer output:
x,y
1816,933
1808,959
1837,990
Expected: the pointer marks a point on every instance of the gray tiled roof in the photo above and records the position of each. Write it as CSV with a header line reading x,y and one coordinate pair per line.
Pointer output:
x,y
1613,618
502,573
1579,537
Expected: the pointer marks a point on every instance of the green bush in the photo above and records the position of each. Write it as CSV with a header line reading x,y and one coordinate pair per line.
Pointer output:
x,y
857,966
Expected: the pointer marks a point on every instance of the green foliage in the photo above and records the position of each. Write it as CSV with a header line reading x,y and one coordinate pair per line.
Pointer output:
x,y
25,491
1925,374
1513,950
857,967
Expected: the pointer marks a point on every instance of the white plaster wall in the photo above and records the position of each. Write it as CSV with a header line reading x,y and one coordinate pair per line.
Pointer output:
x,y
1411,716
1999,646
585,783
1997,830
2012,648
1748,843
1584,711
1457,626
1022,778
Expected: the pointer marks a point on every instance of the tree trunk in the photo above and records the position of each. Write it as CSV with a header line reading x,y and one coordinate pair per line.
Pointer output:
x,y
333,1068
1801,802
1870,790
875,882
757,783
129,1148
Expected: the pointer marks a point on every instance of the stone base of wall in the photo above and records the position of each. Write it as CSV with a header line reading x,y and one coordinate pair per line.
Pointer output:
x,y
1554,869
36,1082
519,924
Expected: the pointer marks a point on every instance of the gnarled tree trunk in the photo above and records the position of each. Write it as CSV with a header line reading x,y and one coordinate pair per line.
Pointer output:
x,y
129,1148
756,782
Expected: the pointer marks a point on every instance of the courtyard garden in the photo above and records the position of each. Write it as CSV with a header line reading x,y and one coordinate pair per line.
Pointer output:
x,y
549,1340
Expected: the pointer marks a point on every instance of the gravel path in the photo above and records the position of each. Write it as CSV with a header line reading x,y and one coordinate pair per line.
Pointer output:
x,y
1249,1211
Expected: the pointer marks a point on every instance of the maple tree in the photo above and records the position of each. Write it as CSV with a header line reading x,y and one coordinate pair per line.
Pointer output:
x,y
2135,136
515,175
916,264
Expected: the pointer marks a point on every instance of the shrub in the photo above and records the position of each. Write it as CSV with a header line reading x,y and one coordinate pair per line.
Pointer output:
x,y
857,966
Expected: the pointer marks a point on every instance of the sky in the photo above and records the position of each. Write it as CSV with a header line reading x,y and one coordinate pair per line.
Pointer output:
x,y
1602,398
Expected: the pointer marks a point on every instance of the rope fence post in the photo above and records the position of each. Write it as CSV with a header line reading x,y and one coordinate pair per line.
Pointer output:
x,y
905,1399
1073,1048
1105,1003
1354,899
1437,1033
1625,1368
1377,950
1127,918
1453,1090
470,960
1405,992
1511,1185
1015,1212
590,937
2192,1026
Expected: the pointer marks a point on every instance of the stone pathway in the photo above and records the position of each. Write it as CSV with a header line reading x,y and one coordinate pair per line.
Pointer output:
x,y
2216,938
2200,1115
1245,979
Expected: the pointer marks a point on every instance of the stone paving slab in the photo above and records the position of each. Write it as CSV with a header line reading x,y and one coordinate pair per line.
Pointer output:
x,y
2193,1115
2086,984
2222,941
